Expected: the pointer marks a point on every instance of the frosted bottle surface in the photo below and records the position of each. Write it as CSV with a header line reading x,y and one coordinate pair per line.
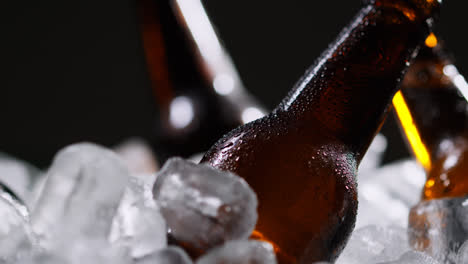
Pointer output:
x,y
301,159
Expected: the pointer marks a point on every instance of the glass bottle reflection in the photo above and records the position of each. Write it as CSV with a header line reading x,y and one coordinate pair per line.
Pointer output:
x,y
433,112
198,93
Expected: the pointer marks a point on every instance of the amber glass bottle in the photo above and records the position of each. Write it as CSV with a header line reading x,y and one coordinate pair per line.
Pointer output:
x,y
433,114
198,93
301,159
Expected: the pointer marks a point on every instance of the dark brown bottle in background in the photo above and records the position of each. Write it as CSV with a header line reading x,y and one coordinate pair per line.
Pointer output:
x,y
198,93
433,112
432,109
302,158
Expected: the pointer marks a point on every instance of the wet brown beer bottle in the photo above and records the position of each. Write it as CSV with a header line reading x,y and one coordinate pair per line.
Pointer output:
x,y
433,113
301,159
199,95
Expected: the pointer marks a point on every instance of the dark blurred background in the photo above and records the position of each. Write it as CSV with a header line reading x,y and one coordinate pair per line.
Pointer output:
x,y
74,70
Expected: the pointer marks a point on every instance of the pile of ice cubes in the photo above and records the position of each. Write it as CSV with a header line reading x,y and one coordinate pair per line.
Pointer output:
x,y
91,209
92,206
388,196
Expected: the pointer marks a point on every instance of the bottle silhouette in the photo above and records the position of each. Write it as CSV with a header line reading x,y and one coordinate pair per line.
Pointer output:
x,y
433,114
198,93
302,158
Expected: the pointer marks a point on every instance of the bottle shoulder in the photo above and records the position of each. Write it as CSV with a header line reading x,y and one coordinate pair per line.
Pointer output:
x,y
280,141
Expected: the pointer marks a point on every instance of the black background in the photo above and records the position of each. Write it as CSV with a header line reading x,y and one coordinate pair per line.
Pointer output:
x,y
74,70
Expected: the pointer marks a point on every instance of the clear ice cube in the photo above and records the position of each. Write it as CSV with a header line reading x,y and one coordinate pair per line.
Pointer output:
x,y
81,195
240,252
387,194
15,234
204,207
374,244
20,177
77,251
139,225
413,257
169,255
41,258
439,227
462,256
91,251
138,156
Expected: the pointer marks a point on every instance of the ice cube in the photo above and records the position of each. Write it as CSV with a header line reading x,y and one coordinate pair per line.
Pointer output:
x,y
20,177
373,156
36,191
15,233
81,195
203,206
138,156
240,252
91,251
41,258
387,194
374,244
84,251
169,255
439,227
413,257
462,256
381,209
139,225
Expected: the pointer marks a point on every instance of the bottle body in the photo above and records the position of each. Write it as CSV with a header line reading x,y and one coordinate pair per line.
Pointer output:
x,y
303,179
302,158
197,91
439,114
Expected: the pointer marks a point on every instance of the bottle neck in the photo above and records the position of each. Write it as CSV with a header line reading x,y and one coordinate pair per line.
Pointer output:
x,y
186,57
438,111
171,57
350,88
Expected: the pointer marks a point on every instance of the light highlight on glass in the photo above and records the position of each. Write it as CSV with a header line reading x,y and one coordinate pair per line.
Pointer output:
x,y
451,161
430,183
202,31
223,84
458,79
411,131
431,41
181,112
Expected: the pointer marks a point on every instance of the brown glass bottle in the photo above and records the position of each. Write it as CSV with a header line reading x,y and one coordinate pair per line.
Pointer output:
x,y
301,159
433,115
199,95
